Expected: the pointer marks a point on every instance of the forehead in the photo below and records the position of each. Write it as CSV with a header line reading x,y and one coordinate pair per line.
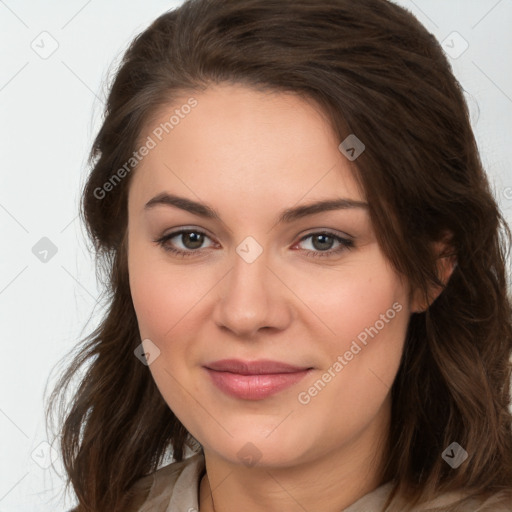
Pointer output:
x,y
237,141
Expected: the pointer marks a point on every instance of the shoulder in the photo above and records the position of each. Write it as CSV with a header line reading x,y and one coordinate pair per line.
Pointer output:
x,y
498,502
464,501
453,501
156,489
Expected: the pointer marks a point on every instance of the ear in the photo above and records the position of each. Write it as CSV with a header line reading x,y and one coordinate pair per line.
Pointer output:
x,y
446,263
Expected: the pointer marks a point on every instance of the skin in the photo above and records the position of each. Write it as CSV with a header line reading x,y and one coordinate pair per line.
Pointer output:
x,y
249,155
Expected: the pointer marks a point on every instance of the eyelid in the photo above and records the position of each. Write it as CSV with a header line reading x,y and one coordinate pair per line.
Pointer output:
x,y
172,232
313,231
327,231
345,241
182,230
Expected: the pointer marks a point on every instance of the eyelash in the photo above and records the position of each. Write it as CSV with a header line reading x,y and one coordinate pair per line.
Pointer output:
x,y
346,244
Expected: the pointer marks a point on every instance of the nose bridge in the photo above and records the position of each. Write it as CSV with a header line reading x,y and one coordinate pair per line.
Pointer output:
x,y
250,297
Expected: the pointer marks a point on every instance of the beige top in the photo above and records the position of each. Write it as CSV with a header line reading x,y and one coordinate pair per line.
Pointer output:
x,y
175,488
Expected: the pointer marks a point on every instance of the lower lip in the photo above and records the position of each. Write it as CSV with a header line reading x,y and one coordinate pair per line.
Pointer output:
x,y
254,387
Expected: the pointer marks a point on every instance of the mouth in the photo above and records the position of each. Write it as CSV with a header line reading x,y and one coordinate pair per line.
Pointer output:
x,y
254,380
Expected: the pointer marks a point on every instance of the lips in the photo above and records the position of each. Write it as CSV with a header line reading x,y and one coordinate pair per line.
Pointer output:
x,y
254,380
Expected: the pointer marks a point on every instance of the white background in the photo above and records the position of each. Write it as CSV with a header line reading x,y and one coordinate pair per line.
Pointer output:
x,y
50,111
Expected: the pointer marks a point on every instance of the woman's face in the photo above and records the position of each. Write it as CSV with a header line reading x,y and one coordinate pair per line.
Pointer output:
x,y
262,279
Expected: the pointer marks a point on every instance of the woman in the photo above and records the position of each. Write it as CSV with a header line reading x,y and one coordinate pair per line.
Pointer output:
x,y
306,267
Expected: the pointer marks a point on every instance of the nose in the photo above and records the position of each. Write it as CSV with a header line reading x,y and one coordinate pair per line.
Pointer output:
x,y
252,297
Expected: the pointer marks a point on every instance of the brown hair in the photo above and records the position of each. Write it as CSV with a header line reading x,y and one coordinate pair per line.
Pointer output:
x,y
376,72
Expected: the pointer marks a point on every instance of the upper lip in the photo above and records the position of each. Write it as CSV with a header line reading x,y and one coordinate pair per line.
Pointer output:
x,y
259,367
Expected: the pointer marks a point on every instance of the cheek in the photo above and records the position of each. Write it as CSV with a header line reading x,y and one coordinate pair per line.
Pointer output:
x,y
164,297
349,301
162,294
157,304
367,313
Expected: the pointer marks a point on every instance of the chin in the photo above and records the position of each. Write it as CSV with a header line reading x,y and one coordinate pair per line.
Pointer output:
x,y
255,449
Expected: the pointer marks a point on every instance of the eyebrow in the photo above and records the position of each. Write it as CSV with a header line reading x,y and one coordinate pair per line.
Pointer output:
x,y
287,216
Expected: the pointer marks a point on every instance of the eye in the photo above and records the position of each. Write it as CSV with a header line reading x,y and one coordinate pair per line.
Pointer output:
x,y
191,240
323,241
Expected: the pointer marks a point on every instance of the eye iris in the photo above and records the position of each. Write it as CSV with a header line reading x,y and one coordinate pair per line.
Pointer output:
x,y
195,238
323,243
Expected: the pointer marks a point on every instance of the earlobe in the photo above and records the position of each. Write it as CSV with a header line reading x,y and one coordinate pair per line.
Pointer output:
x,y
446,264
